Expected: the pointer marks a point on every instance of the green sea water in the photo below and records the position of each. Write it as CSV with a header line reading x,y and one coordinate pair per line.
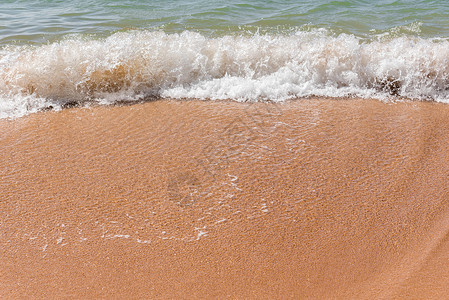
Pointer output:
x,y
56,53
40,21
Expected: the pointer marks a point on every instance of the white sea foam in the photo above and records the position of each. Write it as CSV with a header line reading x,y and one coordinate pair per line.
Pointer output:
x,y
142,64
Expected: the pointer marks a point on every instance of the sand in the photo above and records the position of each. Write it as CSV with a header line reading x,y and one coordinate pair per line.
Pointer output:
x,y
313,198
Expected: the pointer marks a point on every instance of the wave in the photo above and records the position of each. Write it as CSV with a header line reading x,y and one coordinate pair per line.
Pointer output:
x,y
139,65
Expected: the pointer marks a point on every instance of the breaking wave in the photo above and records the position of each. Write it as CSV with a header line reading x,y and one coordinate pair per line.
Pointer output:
x,y
142,64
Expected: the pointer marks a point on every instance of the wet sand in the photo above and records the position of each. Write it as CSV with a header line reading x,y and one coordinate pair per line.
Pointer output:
x,y
316,198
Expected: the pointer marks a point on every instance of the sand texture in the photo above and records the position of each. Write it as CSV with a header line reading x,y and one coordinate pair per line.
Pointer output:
x,y
316,198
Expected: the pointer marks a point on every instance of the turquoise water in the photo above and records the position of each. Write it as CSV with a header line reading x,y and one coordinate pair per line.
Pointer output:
x,y
56,53
40,21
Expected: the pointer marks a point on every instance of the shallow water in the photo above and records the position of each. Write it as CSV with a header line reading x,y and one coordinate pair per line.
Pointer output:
x,y
317,198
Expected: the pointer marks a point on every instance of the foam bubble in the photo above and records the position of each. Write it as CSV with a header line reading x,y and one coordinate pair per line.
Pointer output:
x,y
139,64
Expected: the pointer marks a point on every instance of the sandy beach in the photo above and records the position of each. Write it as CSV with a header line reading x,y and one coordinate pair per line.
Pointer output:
x,y
311,198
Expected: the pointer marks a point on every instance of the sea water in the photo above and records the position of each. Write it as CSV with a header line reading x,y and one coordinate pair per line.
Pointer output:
x,y
55,54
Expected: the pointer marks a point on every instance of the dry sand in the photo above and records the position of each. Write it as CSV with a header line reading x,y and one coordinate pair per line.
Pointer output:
x,y
315,198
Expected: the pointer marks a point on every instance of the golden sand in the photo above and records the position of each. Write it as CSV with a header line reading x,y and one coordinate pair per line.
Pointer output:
x,y
314,198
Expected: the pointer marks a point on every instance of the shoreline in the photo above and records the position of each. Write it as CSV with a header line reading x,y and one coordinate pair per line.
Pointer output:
x,y
308,198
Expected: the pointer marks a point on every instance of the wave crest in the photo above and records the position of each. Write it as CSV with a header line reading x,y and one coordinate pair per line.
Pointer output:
x,y
135,65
